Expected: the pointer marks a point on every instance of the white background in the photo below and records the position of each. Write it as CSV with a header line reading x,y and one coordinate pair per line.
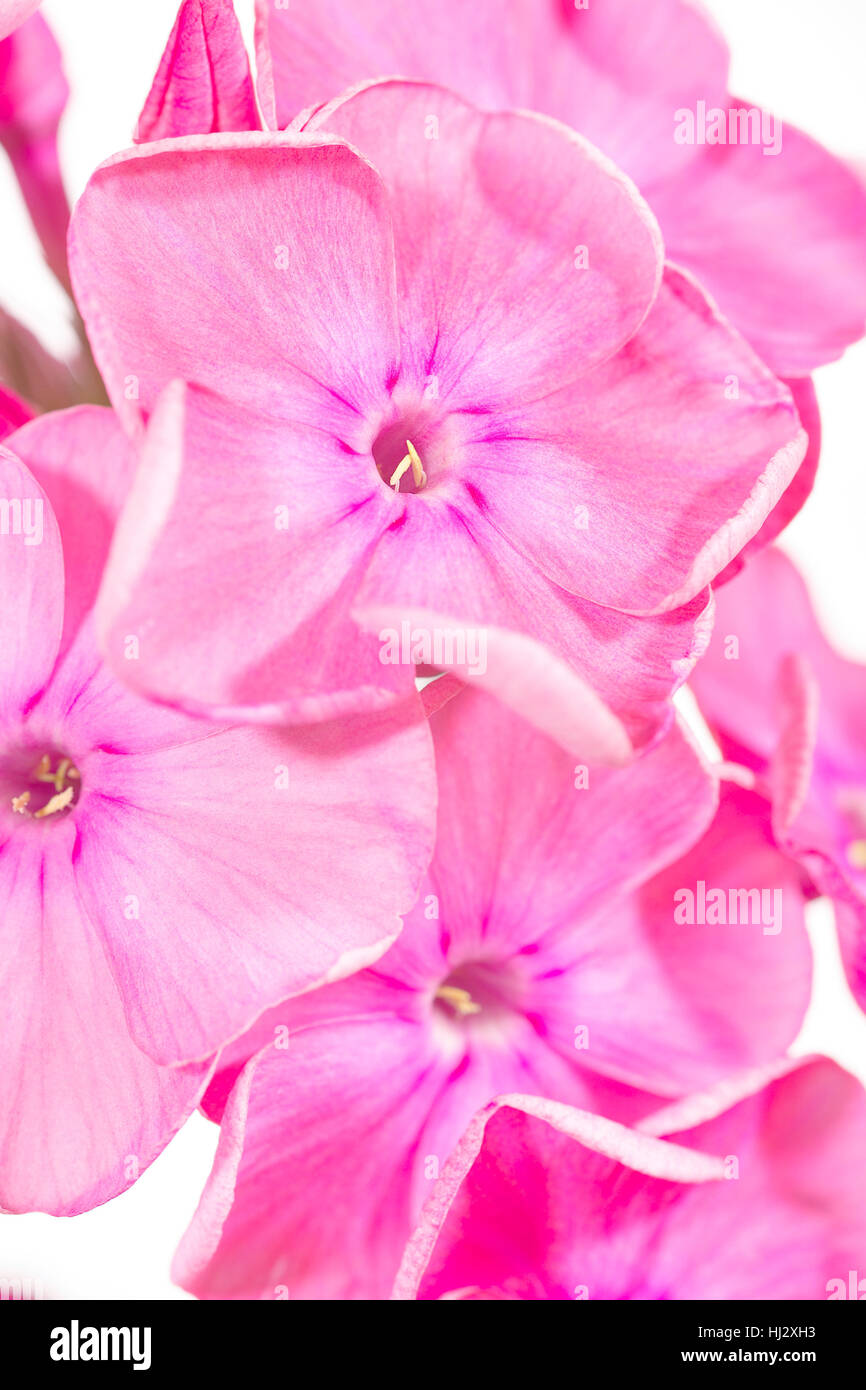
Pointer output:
x,y
803,60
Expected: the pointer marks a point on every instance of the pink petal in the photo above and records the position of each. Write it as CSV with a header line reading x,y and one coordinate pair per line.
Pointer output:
x,y
248,884
743,684
84,1112
799,490
31,580
678,448
755,229
736,682
792,708
14,12
513,882
203,83
705,999
799,1138
357,1159
285,313
792,273
523,1210
84,461
594,69
528,1182
289,1203
541,648
513,807
493,304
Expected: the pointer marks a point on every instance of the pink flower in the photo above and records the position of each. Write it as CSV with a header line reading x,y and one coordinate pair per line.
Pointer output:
x,y
204,82
540,1201
495,298
14,12
785,704
542,957
772,225
33,96
161,881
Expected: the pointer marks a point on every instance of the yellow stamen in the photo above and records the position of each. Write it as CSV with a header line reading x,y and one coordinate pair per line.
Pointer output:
x,y
58,802
857,854
63,794
460,1000
57,779
413,461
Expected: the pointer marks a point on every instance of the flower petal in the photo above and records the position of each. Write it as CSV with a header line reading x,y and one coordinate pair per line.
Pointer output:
x,y
528,1188
523,256
799,490
792,273
712,989
203,83
289,1204
84,1112
282,299
678,449
593,68
546,1203
243,853
14,12
31,580
83,460
550,657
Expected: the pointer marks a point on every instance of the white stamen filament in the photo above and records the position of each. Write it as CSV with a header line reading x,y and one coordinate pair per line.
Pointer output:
x,y
58,802
412,460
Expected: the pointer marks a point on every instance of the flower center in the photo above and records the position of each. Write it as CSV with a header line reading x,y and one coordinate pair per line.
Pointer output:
x,y
39,786
459,1000
413,447
484,991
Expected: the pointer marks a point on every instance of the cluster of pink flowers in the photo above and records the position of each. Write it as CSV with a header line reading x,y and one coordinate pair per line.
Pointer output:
x,y
437,406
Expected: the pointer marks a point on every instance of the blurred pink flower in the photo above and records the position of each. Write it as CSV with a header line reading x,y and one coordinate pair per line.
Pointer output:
x,y
161,881
495,297
33,96
540,1201
542,956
